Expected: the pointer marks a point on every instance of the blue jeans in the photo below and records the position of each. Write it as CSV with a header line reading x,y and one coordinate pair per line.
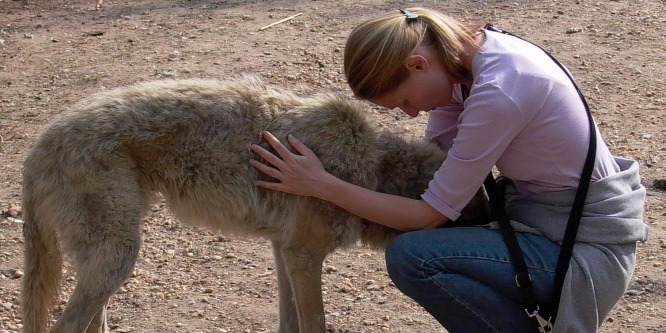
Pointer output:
x,y
463,276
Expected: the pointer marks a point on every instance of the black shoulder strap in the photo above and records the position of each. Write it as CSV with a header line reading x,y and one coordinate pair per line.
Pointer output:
x,y
522,277
564,259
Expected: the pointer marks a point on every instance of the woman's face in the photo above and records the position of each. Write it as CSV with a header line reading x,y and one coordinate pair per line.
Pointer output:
x,y
426,87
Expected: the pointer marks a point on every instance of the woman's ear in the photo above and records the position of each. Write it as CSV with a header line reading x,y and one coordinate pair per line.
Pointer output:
x,y
417,62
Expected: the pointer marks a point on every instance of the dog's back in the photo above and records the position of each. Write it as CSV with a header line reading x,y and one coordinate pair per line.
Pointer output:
x,y
189,141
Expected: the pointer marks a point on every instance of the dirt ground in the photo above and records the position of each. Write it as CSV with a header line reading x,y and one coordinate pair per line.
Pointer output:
x,y
52,53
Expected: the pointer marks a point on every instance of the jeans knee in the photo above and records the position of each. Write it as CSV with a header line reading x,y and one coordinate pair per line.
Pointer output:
x,y
402,266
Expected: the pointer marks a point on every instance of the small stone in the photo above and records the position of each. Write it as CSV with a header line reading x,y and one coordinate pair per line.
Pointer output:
x,y
633,292
660,184
17,274
346,289
330,269
175,55
14,211
368,322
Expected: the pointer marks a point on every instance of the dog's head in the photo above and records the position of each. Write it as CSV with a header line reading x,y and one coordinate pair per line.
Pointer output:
x,y
405,169
406,166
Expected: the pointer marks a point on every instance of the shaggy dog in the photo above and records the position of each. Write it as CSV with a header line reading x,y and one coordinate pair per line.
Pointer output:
x,y
91,176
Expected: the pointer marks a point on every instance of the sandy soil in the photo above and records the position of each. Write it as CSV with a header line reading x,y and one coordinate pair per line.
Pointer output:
x,y
52,53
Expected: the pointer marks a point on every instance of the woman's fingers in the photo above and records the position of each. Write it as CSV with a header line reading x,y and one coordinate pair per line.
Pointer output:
x,y
297,172
277,145
300,147
273,172
268,156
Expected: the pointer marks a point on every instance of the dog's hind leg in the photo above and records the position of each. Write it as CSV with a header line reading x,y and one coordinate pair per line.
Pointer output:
x,y
108,263
287,307
102,273
104,243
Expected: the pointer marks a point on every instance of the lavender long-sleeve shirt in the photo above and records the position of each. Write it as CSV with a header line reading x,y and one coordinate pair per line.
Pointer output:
x,y
522,115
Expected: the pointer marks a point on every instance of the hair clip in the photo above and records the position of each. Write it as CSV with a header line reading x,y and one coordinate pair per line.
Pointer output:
x,y
409,15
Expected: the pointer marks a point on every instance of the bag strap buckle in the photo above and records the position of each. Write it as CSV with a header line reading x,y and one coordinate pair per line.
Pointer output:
x,y
545,326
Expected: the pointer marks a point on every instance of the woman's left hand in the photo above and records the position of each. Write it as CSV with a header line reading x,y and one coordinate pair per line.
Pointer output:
x,y
300,173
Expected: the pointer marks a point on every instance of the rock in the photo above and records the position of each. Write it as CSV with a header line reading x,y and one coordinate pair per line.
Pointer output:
x,y
13,211
660,184
330,269
373,287
346,289
633,292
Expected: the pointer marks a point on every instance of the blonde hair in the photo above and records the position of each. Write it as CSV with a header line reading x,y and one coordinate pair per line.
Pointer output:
x,y
376,49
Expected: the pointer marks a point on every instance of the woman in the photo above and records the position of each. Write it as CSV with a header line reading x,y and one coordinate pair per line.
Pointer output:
x,y
521,114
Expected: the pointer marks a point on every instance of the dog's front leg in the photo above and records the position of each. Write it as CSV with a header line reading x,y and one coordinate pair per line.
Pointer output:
x,y
303,266
98,324
288,315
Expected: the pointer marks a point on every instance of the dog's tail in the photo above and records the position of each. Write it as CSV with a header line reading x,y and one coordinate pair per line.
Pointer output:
x,y
43,264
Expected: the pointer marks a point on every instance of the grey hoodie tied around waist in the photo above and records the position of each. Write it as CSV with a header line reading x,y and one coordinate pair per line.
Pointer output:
x,y
604,256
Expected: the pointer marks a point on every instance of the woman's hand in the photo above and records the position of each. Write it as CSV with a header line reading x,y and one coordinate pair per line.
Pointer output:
x,y
304,174
298,174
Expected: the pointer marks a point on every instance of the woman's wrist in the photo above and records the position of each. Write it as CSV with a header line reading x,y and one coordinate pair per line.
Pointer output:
x,y
329,188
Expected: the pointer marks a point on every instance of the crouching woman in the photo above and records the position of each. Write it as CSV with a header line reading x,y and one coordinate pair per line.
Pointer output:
x,y
493,100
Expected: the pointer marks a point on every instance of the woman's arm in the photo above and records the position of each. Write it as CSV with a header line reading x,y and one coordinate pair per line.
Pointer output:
x,y
304,175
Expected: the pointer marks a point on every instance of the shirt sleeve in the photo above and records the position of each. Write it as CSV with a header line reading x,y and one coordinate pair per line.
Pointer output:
x,y
490,120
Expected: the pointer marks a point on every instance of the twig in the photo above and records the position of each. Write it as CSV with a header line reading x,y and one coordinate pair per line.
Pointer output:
x,y
280,21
